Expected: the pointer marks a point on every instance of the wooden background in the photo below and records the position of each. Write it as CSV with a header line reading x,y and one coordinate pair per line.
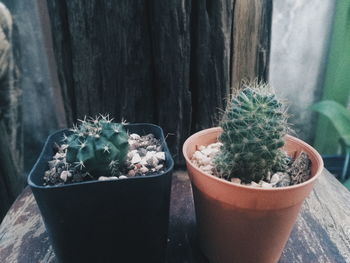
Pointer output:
x,y
169,62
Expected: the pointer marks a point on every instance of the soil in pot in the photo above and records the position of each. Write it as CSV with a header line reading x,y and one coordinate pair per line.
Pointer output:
x,y
297,170
145,157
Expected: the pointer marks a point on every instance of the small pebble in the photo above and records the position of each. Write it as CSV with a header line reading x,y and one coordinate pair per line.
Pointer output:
x,y
208,151
133,144
158,167
143,152
284,181
136,158
280,179
131,153
160,156
204,156
151,148
236,180
206,161
150,154
131,173
275,179
202,147
207,168
143,162
153,161
265,185
135,136
216,145
198,156
107,178
47,173
144,169
64,175
254,184
103,178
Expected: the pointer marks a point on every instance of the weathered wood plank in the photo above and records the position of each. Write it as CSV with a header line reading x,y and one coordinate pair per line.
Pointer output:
x,y
26,235
11,139
63,54
321,233
170,31
52,73
210,60
103,53
251,40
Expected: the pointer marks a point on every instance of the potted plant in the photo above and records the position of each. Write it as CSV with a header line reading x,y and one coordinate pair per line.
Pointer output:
x,y
339,116
249,179
103,190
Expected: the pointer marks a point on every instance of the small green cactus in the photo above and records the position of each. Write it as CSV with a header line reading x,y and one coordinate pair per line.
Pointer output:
x,y
98,145
254,124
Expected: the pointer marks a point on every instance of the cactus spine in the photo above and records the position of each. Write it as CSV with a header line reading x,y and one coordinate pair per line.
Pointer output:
x,y
254,124
98,145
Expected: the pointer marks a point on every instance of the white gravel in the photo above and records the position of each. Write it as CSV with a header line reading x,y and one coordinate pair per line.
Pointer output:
x,y
203,158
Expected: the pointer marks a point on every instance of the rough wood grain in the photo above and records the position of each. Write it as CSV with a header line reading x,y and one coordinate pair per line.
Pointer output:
x,y
323,227
11,139
170,35
167,62
321,233
251,40
210,60
103,52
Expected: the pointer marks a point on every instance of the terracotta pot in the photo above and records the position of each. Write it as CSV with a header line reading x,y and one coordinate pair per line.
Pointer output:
x,y
238,223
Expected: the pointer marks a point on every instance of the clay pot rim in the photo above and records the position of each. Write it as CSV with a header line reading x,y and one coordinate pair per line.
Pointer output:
x,y
311,150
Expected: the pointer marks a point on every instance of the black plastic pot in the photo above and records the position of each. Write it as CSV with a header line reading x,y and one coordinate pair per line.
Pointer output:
x,y
123,220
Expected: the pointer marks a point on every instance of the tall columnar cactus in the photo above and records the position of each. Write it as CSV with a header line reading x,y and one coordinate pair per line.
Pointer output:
x,y
254,124
99,146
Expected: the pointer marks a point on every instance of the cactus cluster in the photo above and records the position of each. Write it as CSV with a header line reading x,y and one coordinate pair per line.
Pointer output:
x,y
98,146
254,125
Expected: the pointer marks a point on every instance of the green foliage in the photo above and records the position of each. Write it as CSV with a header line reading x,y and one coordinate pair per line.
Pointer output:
x,y
347,184
254,124
98,145
338,115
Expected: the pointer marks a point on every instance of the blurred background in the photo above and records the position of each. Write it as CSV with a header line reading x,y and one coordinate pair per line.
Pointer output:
x,y
173,64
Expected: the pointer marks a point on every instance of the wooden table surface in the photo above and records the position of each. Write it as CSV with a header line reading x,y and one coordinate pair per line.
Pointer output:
x,y
321,234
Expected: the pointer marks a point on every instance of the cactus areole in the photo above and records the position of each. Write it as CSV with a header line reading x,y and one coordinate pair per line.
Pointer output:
x,y
254,125
98,145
